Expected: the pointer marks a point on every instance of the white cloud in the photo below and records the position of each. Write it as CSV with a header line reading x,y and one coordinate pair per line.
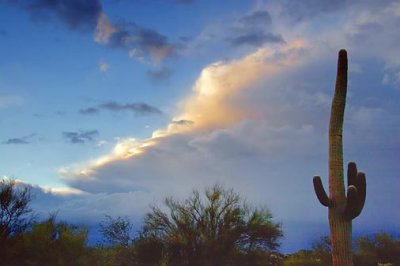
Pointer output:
x,y
103,66
136,54
104,29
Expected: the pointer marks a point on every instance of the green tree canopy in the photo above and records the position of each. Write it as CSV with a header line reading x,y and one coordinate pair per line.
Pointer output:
x,y
381,248
216,228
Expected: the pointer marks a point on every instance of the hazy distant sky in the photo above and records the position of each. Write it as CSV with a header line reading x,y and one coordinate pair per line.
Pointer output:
x,y
109,106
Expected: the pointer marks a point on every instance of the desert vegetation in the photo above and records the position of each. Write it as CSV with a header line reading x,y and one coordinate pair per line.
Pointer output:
x,y
216,227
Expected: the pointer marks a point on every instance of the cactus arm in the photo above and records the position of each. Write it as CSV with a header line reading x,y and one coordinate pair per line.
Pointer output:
x,y
356,193
320,191
350,212
362,192
352,174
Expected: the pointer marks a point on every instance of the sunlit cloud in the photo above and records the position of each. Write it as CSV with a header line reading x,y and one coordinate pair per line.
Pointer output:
x,y
214,102
104,29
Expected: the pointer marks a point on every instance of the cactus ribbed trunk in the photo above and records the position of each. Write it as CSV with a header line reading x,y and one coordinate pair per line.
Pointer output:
x,y
342,208
340,227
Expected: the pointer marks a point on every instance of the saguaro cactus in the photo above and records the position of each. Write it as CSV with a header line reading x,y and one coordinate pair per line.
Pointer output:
x,y
342,208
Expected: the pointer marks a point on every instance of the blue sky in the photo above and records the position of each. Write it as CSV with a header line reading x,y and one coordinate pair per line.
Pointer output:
x,y
109,106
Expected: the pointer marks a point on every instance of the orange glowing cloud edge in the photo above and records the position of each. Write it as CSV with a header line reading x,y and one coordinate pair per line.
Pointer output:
x,y
208,107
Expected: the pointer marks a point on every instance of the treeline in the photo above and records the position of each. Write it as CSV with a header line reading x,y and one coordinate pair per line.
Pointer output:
x,y
214,228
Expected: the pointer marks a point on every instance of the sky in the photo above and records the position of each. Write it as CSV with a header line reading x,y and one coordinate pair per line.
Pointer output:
x,y
107,107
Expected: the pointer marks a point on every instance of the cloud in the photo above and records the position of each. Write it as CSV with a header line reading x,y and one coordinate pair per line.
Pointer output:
x,y
299,10
104,29
256,39
89,111
76,206
79,15
103,66
139,40
254,30
310,9
16,141
137,108
111,106
136,54
159,75
213,105
81,136
21,140
183,122
256,19
259,124
88,16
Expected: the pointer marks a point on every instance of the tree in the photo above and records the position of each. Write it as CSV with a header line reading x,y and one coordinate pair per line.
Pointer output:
x,y
117,238
116,231
215,229
14,209
53,242
379,249
320,255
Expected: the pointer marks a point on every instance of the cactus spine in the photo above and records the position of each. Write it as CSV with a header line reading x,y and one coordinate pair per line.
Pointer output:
x,y
342,208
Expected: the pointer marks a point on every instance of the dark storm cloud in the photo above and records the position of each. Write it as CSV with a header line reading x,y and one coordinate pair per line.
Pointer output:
x,y
20,140
75,14
254,30
80,137
159,75
112,106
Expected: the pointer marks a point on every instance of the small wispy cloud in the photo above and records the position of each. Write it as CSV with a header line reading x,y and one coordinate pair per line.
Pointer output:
x,y
89,111
20,140
103,66
139,41
137,108
104,29
112,106
101,143
183,122
159,75
80,136
136,54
